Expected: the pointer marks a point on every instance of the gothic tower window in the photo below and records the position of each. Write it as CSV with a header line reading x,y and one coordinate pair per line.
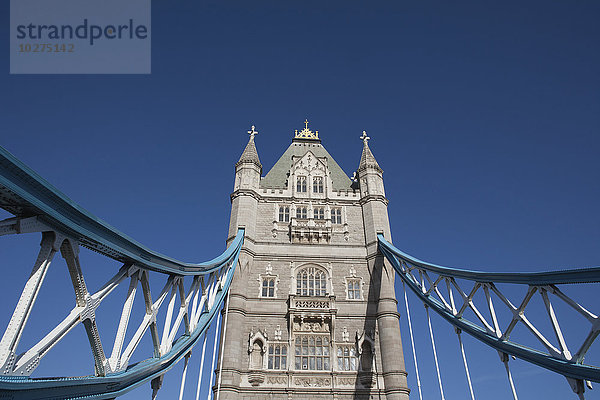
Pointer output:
x,y
318,184
347,358
302,212
312,353
268,287
353,291
319,213
277,356
284,214
301,184
311,281
268,283
336,215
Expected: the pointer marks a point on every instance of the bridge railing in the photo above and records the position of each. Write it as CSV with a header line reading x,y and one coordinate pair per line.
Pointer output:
x,y
453,292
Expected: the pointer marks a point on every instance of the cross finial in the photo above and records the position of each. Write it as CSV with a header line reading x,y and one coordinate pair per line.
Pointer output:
x,y
306,123
365,138
252,132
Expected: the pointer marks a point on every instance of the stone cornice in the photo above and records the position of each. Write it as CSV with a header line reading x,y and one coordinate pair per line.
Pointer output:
x,y
245,192
373,197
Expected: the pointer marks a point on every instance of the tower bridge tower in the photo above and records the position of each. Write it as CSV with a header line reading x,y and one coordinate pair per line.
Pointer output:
x,y
312,303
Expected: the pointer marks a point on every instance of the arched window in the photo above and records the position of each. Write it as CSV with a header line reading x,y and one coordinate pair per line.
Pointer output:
x,y
284,214
336,216
319,213
301,184
311,281
318,184
268,287
312,353
302,212
347,358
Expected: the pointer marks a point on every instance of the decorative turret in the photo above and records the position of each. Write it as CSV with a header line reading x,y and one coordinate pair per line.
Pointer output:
x,y
367,160
250,154
248,168
370,174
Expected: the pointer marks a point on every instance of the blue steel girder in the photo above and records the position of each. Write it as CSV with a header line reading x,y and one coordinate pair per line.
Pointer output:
x,y
115,384
40,207
26,194
568,368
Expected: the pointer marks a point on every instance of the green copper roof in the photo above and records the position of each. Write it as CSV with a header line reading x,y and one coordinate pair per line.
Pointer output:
x,y
277,177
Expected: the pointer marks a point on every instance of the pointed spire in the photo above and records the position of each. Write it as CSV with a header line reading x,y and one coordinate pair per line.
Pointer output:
x,y
367,159
250,154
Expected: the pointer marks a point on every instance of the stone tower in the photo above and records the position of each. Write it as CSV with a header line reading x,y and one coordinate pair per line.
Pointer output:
x,y
312,302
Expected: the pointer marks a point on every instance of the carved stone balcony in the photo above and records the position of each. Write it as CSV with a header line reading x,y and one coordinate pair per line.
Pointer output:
x,y
310,230
312,303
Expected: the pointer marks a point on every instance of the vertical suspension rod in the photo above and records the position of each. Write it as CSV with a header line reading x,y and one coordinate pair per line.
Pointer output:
x,y
504,358
185,366
437,367
464,357
201,367
412,342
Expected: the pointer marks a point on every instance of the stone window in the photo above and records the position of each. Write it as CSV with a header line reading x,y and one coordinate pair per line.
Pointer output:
x,y
318,184
311,281
336,215
302,212
301,184
319,213
347,358
277,356
268,287
353,289
312,353
284,214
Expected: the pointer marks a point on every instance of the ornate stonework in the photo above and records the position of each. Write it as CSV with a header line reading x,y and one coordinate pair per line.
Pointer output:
x,y
311,230
312,381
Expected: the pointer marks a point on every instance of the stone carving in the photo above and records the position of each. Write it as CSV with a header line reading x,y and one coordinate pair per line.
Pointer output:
x,y
346,381
352,271
277,380
345,334
312,381
310,326
269,269
311,303
256,377
278,333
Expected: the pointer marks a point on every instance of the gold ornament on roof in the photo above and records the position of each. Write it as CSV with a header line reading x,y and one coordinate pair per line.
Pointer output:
x,y
306,133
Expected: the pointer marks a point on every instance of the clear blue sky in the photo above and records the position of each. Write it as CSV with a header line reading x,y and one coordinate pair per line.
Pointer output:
x,y
485,117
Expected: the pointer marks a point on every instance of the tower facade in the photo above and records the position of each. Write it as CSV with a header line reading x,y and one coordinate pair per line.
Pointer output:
x,y
312,303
